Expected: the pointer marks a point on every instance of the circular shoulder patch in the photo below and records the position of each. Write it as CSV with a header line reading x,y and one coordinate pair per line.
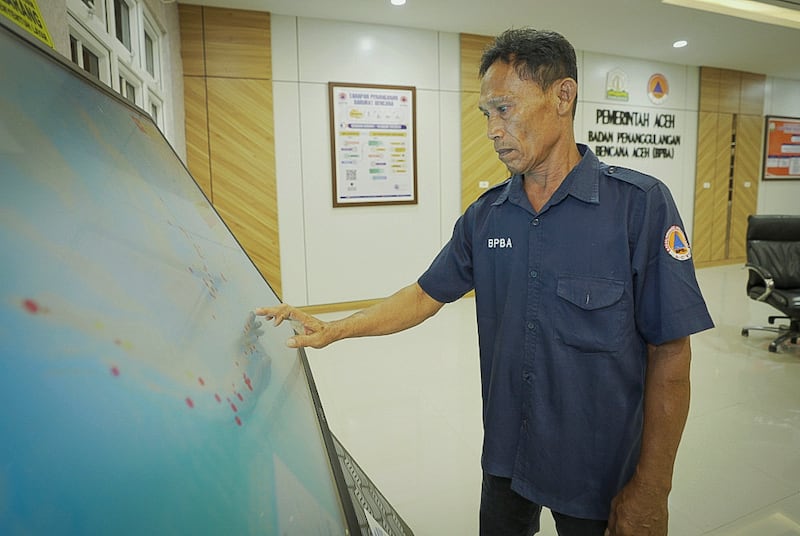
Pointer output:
x,y
676,244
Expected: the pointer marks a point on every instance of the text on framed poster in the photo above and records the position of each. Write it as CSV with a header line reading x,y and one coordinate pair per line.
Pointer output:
x,y
373,144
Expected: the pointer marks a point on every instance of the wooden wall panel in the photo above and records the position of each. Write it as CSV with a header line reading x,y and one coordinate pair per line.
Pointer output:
x,y
237,43
721,186
730,84
712,184
479,162
229,124
709,89
746,176
472,47
703,194
753,88
197,158
192,52
243,167
727,176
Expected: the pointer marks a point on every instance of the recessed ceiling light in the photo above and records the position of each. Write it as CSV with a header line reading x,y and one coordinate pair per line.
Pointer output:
x,y
680,44
398,2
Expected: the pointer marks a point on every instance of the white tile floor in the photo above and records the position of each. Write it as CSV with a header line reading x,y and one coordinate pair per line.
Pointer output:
x,y
408,409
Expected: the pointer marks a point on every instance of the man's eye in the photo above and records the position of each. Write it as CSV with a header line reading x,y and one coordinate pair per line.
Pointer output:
x,y
502,109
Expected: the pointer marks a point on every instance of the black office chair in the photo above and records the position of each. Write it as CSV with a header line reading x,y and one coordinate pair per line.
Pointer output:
x,y
773,262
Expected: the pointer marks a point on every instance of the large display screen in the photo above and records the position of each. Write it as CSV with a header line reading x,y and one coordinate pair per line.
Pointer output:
x,y
138,394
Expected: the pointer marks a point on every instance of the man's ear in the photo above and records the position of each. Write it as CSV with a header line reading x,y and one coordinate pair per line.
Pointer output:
x,y
567,92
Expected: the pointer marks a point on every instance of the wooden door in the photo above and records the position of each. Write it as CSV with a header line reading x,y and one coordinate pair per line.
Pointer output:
x,y
712,186
746,175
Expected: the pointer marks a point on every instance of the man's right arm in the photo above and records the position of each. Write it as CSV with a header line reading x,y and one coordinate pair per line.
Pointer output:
x,y
402,310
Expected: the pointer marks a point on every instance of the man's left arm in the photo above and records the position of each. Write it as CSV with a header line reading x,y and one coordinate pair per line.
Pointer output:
x,y
640,509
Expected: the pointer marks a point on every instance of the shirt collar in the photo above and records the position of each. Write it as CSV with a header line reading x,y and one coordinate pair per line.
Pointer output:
x,y
582,182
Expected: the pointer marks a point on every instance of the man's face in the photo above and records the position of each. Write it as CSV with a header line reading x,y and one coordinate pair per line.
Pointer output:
x,y
522,120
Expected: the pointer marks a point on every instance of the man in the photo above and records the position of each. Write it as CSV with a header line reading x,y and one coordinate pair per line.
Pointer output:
x,y
585,296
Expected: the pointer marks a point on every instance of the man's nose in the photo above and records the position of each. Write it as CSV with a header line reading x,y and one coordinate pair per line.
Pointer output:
x,y
494,129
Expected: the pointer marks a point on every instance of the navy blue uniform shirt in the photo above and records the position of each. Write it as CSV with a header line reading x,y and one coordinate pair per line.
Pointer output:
x,y
567,300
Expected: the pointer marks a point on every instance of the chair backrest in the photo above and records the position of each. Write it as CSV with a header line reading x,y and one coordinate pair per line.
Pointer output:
x,y
773,242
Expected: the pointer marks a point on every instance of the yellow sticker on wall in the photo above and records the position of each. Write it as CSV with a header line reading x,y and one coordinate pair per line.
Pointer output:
x,y
26,15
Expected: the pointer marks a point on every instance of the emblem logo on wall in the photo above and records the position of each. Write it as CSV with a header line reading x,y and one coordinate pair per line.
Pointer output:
x,y
617,85
658,88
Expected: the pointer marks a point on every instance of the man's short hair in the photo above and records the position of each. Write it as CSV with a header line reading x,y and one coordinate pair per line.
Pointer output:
x,y
542,56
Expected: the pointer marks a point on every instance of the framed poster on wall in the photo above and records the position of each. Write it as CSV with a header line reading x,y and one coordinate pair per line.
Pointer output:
x,y
373,144
782,148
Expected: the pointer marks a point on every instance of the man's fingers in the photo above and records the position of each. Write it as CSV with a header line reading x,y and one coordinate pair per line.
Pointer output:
x,y
276,314
299,341
306,326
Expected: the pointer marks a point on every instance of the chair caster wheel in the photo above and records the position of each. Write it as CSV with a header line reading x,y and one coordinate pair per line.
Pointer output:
x,y
745,333
773,347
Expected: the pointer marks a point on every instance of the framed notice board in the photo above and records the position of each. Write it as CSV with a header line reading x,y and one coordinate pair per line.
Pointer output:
x,y
373,144
781,148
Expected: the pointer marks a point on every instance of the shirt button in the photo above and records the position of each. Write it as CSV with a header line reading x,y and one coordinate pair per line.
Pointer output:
x,y
526,376
535,222
532,326
612,169
534,274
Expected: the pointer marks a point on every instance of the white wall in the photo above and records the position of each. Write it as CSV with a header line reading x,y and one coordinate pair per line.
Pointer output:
x,y
328,254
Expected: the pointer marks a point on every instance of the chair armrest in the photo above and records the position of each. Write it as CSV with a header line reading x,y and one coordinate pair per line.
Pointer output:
x,y
764,274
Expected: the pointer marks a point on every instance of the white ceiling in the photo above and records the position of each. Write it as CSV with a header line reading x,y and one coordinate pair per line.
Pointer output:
x,y
636,28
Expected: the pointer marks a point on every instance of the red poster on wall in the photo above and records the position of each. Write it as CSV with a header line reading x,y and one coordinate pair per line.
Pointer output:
x,y
782,148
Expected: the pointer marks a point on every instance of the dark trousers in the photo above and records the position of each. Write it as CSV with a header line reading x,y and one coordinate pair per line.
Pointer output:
x,y
505,513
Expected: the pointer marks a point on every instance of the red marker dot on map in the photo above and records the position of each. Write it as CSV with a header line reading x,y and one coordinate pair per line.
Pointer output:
x,y
189,402
238,420
217,397
234,408
115,371
31,306
201,381
241,398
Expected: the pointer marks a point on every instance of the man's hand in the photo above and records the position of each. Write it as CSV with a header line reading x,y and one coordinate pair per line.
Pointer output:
x,y
638,510
404,309
311,331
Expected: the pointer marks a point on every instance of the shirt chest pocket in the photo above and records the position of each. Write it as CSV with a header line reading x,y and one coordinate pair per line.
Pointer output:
x,y
590,313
